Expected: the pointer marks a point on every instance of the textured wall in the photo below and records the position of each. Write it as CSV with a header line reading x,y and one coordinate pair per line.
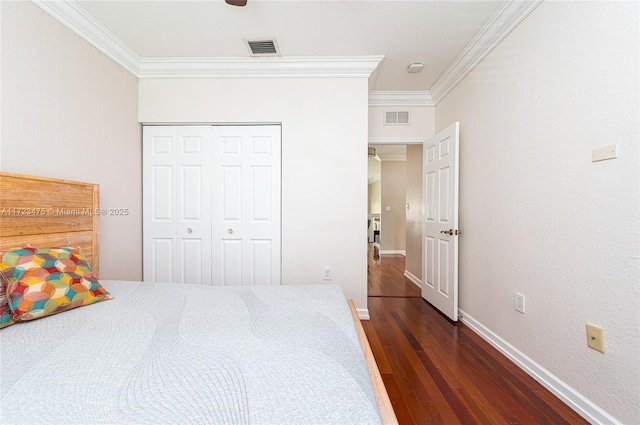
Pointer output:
x,y
413,263
538,216
374,197
70,112
393,182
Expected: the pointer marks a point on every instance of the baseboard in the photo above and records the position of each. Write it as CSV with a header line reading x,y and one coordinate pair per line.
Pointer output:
x,y
583,406
393,251
413,279
363,313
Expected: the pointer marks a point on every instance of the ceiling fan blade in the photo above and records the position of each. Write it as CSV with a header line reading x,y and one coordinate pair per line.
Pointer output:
x,y
236,2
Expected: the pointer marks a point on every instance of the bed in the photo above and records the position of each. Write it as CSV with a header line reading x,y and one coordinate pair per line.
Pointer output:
x,y
175,353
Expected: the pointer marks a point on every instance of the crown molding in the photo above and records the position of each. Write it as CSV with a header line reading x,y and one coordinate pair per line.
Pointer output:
x,y
400,98
283,67
78,21
502,22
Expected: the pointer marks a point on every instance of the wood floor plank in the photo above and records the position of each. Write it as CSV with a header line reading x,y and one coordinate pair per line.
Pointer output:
x,y
447,392
397,401
376,347
440,372
411,394
462,374
521,386
408,368
432,410
436,387
481,383
560,407
482,412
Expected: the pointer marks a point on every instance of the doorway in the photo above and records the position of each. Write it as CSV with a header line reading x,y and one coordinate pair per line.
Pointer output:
x,y
395,196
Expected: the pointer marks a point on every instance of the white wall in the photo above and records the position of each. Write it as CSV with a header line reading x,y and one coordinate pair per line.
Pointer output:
x,y
70,112
393,179
324,162
540,218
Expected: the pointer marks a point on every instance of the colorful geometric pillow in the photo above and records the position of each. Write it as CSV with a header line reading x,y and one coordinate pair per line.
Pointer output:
x,y
6,318
45,281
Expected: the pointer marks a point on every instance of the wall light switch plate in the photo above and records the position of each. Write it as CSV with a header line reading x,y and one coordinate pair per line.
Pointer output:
x,y
595,337
328,273
520,303
604,152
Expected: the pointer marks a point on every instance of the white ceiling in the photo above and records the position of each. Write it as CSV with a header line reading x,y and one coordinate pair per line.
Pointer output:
x,y
404,31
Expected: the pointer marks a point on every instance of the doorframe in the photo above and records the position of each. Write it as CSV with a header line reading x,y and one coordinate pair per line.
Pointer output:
x,y
402,141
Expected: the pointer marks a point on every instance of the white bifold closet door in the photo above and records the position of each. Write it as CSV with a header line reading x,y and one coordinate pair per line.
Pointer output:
x,y
211,200
177,204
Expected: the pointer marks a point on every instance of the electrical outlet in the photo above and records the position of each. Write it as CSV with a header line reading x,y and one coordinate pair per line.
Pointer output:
x,y
520,303
328,275
595,337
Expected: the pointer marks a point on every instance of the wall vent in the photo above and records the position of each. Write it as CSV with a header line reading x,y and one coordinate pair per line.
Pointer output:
x,y
263,47
396,118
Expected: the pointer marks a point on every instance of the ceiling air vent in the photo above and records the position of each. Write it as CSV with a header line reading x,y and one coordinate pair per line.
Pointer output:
x,y
264,47
396,118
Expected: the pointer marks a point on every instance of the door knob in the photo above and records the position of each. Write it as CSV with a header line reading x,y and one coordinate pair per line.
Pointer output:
x,y
230,231
447,232
189,230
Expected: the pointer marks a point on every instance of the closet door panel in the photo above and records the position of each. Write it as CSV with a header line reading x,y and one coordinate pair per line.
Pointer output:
x,y
246,205
193,227
177,204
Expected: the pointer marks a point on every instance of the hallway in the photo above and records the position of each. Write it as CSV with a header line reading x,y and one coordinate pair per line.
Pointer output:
x,y
385,276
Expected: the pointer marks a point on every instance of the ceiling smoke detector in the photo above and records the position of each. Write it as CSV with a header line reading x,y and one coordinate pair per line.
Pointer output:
x,y
415,67
263,47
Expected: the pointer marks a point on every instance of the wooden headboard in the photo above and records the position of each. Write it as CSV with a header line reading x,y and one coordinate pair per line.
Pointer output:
x,y
47,212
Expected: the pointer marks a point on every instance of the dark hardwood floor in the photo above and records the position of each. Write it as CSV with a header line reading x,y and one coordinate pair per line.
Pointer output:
x,y
438,372
385,277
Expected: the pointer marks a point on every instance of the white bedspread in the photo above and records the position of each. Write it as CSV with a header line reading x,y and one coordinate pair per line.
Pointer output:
x,y
190,354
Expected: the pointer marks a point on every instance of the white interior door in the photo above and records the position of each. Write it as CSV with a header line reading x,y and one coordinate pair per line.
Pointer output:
x,y
177,204
440,221
246,205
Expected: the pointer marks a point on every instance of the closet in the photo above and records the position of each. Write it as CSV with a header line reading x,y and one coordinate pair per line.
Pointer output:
x,y
211,204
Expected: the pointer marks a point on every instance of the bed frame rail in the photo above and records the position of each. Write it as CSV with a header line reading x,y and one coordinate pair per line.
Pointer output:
x,y
384,403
